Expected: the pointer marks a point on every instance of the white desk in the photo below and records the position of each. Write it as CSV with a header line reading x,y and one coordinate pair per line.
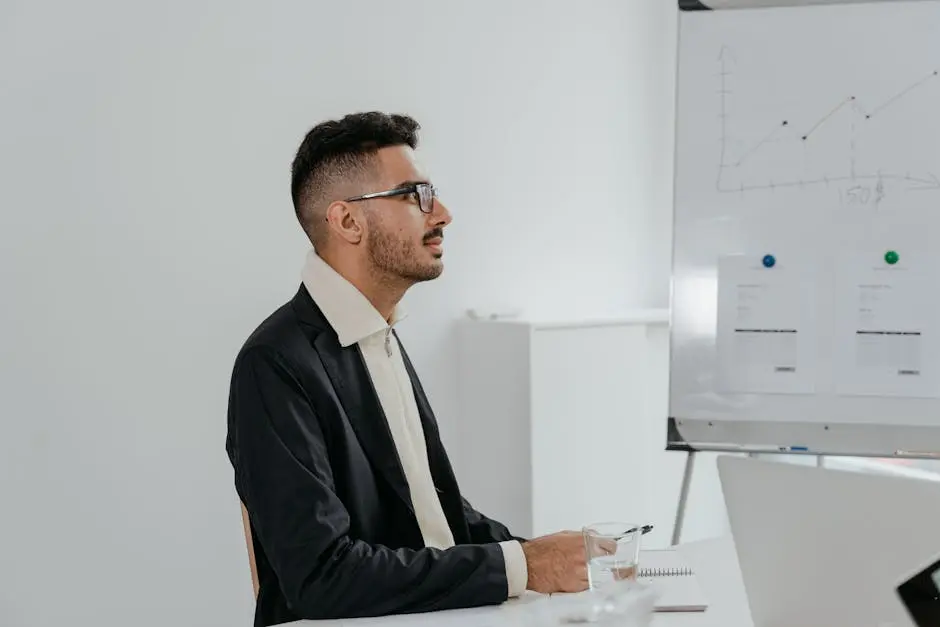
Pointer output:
x,y
714,561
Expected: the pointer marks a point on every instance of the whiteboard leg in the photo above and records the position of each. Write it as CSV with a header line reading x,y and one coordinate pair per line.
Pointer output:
x,y
683,497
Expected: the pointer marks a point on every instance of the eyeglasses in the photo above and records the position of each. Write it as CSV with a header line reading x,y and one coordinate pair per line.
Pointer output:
x,y
424,192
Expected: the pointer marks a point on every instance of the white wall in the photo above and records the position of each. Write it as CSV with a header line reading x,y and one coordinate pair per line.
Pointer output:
x,y
146,227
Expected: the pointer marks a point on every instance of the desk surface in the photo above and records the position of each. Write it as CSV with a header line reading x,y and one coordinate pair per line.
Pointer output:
x,y
714,561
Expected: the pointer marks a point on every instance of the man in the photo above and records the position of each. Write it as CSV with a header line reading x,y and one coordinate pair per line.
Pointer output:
x,y
353,505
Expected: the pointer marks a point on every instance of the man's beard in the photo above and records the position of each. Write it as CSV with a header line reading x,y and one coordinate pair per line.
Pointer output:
x,y
396,258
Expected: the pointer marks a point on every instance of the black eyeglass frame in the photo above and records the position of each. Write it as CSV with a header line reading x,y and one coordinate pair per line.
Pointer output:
x,y
425,192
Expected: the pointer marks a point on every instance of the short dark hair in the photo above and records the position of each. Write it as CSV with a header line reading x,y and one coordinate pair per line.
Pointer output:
x,y
334,151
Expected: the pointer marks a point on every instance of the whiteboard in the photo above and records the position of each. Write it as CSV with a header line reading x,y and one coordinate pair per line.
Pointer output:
x,y
806,188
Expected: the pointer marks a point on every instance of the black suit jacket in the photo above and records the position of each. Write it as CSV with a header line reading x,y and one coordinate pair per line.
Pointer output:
x,y
334,530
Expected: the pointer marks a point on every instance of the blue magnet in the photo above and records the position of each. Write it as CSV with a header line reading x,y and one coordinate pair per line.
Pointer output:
x,y
769,261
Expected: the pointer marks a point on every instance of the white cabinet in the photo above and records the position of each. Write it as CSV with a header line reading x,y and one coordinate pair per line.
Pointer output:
x,y
563,424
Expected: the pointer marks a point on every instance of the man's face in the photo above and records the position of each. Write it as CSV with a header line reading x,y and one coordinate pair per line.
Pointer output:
x,y
402,241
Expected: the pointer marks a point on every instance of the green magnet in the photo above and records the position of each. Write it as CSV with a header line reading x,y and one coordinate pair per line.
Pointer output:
x,y
891,257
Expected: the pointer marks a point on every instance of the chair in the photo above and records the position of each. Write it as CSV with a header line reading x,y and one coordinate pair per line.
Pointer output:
x,y
251,551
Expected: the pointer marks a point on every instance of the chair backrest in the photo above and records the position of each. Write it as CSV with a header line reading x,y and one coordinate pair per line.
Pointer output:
x,y
251,551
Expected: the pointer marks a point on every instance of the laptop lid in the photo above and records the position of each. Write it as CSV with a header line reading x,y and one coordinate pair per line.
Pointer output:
x,y
827,548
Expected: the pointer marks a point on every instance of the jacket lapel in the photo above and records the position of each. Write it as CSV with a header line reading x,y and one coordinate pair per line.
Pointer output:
x,y
441,471
353,385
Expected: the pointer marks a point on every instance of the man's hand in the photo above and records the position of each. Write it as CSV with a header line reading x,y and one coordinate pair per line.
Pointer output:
x,y
556,563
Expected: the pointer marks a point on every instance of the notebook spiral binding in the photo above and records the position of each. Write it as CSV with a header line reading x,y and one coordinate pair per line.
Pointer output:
x,y
666,572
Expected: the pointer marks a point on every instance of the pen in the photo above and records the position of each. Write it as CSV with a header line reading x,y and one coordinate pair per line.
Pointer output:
x,y
645,529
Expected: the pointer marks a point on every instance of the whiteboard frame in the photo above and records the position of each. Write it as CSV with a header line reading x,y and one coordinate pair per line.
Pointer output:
x,y
720,5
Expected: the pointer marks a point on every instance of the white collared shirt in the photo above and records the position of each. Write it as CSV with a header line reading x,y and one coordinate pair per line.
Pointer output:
x,y
356,321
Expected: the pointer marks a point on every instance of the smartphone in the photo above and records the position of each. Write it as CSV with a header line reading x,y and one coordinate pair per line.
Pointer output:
x,y
921,596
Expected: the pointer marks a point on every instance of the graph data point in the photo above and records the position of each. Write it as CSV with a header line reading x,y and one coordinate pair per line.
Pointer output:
x,y
785,122
804,137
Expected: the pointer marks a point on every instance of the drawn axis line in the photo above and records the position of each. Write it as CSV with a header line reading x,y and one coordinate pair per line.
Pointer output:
x,y
933,183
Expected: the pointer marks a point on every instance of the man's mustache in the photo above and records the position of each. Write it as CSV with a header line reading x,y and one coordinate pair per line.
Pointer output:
x,y
434,233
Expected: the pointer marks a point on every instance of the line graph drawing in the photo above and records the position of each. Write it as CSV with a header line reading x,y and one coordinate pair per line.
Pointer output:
x,y
903,93
772,135
863,188
842,104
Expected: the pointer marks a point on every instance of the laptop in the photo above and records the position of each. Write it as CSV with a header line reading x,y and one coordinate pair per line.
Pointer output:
x,y
827,548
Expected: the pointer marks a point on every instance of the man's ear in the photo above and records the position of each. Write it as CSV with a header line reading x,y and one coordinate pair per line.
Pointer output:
x,y
346,221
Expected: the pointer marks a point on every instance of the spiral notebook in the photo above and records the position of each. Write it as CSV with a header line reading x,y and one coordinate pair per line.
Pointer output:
x,y
674,579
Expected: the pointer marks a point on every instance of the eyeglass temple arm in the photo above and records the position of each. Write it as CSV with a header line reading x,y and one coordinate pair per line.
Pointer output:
x,y
385,194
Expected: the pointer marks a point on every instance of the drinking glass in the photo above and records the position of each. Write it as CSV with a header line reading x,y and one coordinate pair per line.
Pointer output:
x,y
613,552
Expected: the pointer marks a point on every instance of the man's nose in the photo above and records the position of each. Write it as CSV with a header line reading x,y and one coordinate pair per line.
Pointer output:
x,y
441,215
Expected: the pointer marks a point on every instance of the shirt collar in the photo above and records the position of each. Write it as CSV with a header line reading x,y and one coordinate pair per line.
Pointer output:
x,y
347,310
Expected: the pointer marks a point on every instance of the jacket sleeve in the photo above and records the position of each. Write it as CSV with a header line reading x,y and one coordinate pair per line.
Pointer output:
x,y
282,473
483,529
